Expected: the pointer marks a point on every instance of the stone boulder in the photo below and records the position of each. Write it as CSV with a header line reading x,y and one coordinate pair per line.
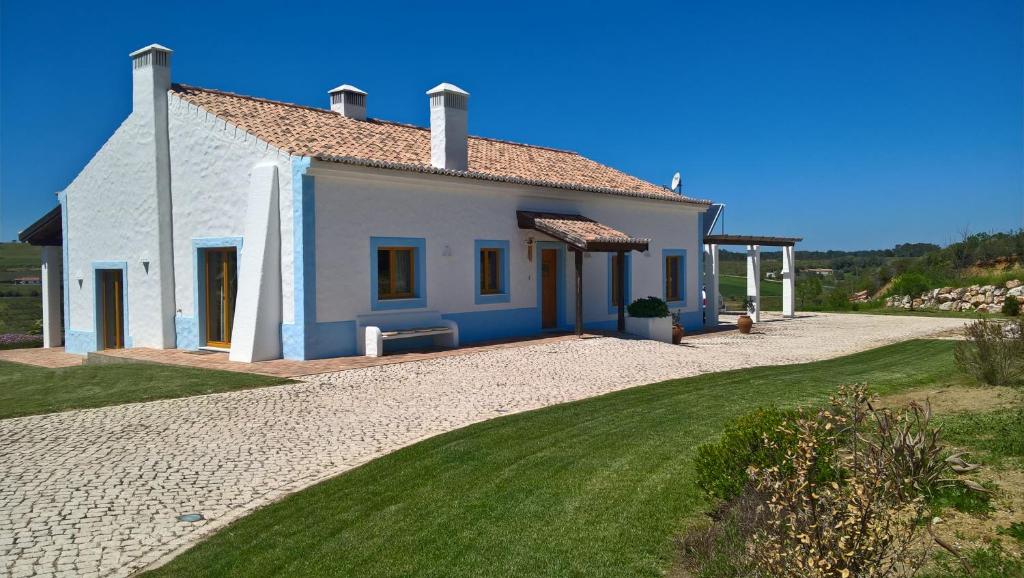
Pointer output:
x,y
1014,283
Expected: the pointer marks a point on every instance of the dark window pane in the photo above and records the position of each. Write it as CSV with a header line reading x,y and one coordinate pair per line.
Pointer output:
x,y
403,272
383,273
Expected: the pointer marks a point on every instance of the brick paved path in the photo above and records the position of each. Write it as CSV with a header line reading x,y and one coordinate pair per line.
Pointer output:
x,y
97,492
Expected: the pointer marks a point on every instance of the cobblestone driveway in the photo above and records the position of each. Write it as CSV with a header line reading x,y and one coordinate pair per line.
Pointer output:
x,y
98,492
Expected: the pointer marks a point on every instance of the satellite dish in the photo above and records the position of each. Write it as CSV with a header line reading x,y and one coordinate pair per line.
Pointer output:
x,y
676,181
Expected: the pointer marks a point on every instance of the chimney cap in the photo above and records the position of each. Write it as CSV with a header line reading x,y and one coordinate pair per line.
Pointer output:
x,y
345,88
446,87
150,48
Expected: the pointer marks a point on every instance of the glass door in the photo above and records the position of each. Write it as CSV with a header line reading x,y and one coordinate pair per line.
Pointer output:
x,y
221,289
112,308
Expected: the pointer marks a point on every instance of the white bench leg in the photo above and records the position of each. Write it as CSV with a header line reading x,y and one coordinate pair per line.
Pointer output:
x,y
450,339
374,342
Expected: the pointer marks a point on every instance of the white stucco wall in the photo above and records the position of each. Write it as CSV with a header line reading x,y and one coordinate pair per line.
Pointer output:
x,y
354,204
109,219
211,165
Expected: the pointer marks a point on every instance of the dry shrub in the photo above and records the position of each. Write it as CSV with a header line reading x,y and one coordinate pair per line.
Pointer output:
x,y
993,352
868,522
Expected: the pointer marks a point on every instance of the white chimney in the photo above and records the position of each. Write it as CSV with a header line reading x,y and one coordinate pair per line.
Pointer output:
x,y
151,78
448,127
348,101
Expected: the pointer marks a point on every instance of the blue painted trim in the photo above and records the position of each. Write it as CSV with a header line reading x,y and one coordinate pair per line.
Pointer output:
x,y
681,253
198,287
562,318
628,298
332,339
294,336
419,260
493,324
63,198
80,342
97,268
692,320
503,296
701,282
186,332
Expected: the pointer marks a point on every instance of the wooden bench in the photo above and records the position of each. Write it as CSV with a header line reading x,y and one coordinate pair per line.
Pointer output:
x,y
373,330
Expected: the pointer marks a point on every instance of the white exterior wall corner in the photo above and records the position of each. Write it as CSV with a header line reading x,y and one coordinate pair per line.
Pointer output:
x,y
353,204
212,165
112,214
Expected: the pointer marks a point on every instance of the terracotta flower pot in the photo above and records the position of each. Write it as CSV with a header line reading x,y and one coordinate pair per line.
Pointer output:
x,y
677,334
745,323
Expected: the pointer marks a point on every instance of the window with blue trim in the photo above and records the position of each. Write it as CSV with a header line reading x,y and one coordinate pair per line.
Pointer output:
x,y
397,273
492,271
673,270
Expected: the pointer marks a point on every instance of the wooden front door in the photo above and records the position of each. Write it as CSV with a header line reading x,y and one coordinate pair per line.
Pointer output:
x,y
549,288
221,289
112,308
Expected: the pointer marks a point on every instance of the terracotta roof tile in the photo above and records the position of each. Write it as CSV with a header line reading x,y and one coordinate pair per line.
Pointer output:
x,y
581,232
326,135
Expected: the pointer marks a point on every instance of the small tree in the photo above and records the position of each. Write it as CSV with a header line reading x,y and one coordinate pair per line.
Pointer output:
x,y
808,289
912,284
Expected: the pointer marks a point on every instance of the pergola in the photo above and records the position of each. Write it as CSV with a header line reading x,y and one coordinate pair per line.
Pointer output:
x,y
583,235
753,244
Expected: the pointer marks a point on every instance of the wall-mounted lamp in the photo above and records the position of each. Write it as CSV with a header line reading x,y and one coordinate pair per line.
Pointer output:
x,y
144,259
529,249
447,251
79,278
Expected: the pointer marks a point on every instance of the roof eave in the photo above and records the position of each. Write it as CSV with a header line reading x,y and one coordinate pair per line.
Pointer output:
x,y
357,161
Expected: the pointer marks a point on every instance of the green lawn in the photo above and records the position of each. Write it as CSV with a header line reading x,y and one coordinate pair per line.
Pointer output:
x,y
734,289
598,487
26,390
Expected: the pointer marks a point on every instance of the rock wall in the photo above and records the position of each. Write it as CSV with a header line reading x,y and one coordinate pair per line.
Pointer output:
x,y
982,298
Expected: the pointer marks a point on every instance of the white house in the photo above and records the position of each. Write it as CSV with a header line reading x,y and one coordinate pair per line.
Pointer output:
x,y
269,229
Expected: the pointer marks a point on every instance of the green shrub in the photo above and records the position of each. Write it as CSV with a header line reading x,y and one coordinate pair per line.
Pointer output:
x,y
1011,307
722,466
911,283
648,307
993,352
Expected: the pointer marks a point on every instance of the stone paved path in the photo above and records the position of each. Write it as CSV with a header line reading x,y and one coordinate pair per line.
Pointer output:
x,y
97,492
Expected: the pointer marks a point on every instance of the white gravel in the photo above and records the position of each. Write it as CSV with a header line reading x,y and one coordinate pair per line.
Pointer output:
x,y
97,491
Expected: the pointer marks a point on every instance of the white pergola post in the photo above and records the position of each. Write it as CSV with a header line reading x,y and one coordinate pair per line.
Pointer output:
x,y
754,279
789,281
51,277
711,283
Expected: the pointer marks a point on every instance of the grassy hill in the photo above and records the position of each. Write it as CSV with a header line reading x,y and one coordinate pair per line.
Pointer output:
x,y
21,307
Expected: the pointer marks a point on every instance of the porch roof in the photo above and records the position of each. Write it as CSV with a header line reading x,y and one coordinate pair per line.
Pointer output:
x,y
45,231
580,232
751,240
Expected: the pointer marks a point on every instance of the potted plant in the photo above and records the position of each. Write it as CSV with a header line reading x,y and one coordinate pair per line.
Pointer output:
x,y
649,318
744,322
677,328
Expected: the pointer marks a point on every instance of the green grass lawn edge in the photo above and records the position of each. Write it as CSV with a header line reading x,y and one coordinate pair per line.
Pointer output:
x,y
597,487
29,390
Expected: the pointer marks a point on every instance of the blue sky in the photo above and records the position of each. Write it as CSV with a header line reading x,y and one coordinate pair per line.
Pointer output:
x,y
852,124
